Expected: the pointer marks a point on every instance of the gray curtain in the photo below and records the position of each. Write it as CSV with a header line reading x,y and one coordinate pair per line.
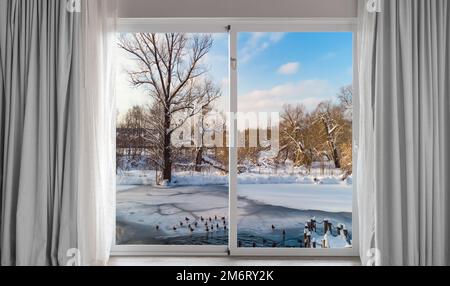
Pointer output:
x,y
38,69
404,173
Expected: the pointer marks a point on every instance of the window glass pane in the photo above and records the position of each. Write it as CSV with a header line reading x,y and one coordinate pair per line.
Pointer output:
x,y
172,160
295,155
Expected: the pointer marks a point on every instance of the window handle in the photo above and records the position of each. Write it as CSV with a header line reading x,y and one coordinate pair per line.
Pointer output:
x,y
233,63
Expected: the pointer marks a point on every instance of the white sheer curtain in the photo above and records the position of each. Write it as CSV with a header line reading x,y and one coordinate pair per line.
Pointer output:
x,y
404,134
365,144
96,198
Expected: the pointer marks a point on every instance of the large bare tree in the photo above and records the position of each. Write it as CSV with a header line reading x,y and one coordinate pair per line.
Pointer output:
x,y
170,67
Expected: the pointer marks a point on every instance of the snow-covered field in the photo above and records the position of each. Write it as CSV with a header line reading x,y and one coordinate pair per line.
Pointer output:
x,y
173,215
202,179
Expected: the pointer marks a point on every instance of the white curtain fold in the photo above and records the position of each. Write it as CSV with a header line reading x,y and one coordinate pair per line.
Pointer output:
x,y
365,145
96,187
404,136
38,158
57,131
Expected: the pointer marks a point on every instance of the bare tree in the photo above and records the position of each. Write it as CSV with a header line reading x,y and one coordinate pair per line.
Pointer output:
x,y
130,140
345,97
154,133
205,127
295,134
169,67
331,116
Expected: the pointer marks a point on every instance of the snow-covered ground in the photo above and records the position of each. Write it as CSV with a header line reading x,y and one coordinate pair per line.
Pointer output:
x,y
202,179
152,215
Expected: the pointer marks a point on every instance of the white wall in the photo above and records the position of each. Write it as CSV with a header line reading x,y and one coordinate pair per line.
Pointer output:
x,y
237,8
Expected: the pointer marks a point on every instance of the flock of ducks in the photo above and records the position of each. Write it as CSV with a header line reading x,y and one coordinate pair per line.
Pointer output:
x,y
209,224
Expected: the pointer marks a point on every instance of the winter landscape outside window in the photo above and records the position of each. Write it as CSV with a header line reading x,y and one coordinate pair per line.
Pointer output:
x,y
300,196
172,183
173,139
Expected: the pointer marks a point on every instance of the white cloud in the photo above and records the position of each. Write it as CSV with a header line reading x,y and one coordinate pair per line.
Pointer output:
x,y
308,92
289,68
257,43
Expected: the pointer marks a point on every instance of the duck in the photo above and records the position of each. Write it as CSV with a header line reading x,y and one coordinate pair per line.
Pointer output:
x,y
181,223
273,227
175,228
224,227
186,218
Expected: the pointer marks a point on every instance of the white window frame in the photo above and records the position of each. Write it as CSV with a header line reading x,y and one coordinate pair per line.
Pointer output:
x,y
234,26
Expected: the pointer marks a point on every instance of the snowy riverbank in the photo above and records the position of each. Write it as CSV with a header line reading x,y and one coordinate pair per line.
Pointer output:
x,y
202,179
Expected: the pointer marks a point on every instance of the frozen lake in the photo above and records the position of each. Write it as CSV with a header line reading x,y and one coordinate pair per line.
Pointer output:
x,y
155,215
330,198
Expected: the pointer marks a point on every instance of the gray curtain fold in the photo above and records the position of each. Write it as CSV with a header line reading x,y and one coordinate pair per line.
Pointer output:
x,y
38,75
407,118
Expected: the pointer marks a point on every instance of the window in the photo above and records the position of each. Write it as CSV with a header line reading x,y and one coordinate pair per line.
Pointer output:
x,y
297,193
235,135
172,156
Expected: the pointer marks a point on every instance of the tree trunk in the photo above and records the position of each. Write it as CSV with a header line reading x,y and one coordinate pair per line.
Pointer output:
x,y
337,161
167,153
199,160
167,172
331,141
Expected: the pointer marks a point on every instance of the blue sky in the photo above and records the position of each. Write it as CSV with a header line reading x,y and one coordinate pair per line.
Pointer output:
x,y
274,69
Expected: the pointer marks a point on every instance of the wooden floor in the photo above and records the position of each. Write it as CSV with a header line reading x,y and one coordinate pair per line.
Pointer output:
x,y
232,261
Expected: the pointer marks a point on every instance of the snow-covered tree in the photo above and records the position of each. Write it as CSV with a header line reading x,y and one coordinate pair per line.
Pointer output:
x,y
296,140
170,67
329,116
